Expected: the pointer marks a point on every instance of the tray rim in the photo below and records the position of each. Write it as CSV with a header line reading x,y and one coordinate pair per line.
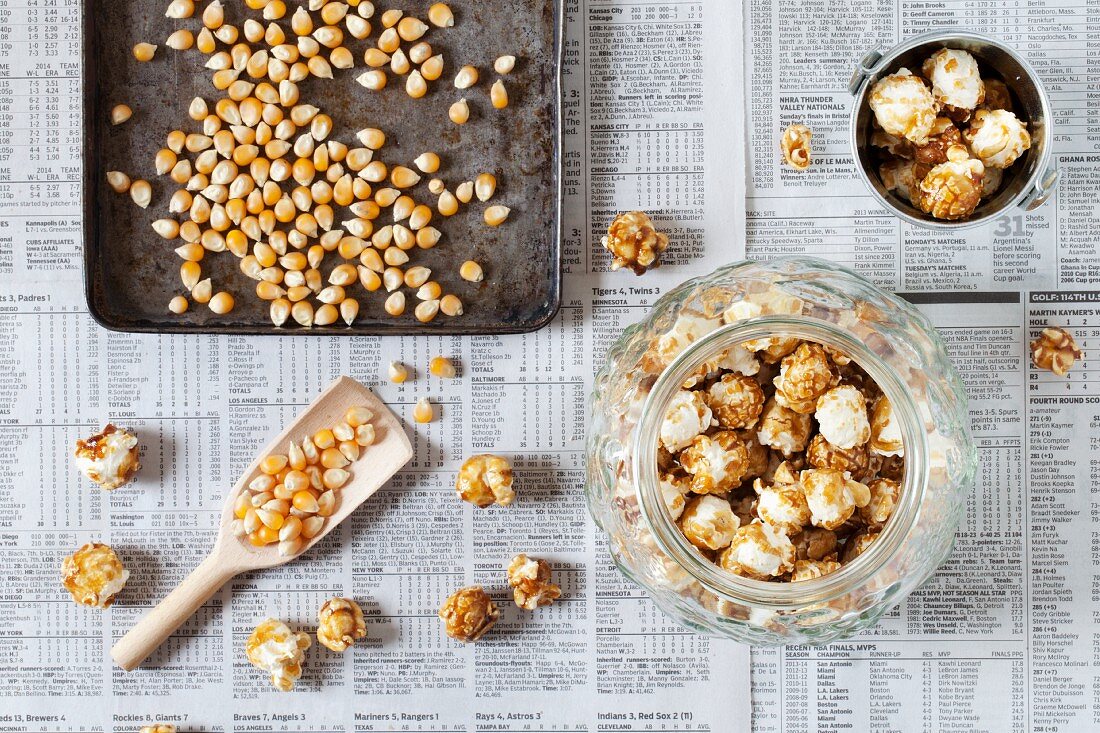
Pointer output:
x,y
446,327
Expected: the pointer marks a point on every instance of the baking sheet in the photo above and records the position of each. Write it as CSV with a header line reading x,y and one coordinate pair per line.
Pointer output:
x,y
131,272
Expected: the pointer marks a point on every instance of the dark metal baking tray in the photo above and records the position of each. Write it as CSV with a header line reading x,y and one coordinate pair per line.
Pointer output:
x,y
131,273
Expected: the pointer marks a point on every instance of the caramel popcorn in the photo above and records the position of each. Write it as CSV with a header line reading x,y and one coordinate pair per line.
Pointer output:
x,y
468,613
673,490
339,623
953,189
956,81
944,135
110,457
884,497
687,416
991,181
997,95
717,463
737,359
904,106
1055,350
759,455
485,479
94,575
633,242
823,454
709,522
158,728
885,431
277,650
772,349
815,543
811,569
736,401
903,177
896,146
530,581
856,545
782,506
804,376
831,496
795,145
842,417
758,551
997,138
687,329
782,429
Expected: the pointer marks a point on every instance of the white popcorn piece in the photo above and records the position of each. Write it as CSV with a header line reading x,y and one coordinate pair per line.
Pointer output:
x,y
709,522
900,176
782,506
673,491
110,457
717,463
832,496
782,429
688,329
997,137
956,81
686,417
758,551
842,417
904,106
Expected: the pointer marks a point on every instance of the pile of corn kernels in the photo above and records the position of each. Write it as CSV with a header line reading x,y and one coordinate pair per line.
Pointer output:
x,y
262,178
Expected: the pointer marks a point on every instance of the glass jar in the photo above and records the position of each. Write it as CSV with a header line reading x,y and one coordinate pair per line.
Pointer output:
x,y
692,326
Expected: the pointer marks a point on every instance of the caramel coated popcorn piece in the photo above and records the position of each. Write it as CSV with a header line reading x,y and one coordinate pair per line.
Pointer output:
x,y
903,106
904,177
717,463
997,138
804,376
811,569
884,497
795,145
944,134
782,506
831,496
673,490
815,543
468,613
110,457
773,348
953,189
842,417
687,416
782,429
339,623
94,575
736,401
530,581
885,430
896,146
956,81
758,551
997,95
709,522
1055,350
485,479
856,545
823,454
277,650
633,242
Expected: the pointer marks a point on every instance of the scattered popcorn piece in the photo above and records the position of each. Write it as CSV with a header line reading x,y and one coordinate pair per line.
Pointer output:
x,y
953,189
782,506
804,376
811,569
686,417
758,551
823,454
633,242
885,431
783,429
956,80
530,581
94,575
831,496
1055,350
736,401
884,497
709,522
277,650
842,417
795,145
717,463
904,106
468,613
339,623
110,457
485,479
997,138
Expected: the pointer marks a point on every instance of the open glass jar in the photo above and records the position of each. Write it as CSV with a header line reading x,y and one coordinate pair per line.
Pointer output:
x,y
693,326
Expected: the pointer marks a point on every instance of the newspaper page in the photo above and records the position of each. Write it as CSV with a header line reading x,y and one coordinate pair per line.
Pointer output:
x,y
652,121
1005,636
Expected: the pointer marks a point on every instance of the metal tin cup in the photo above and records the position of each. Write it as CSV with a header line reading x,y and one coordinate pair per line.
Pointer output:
x,y
1027,184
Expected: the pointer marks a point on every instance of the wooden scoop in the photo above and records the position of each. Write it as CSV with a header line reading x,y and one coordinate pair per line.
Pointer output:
x,y
232,555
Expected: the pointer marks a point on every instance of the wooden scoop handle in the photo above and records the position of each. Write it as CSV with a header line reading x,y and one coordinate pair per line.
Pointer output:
x,y
160,623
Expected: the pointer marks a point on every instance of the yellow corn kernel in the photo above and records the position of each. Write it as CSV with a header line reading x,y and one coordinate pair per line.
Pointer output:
x,y
411,29
398,372
324,438
279,311
221,303
326,504
504,64
466,77
441,16
334,478
144,52
364,435
272,464
432,69
426,311
415,86
423,412
447,204
119,114
395,303
326,315
496,215
459,112
349,309
358,415
443,367
450,305
471,271
305,501
498,95
333,458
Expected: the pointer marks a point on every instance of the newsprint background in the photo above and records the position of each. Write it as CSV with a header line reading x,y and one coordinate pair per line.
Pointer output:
x,y
659,99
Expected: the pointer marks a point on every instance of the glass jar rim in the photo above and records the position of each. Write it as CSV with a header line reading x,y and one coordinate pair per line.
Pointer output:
x,y
792,595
